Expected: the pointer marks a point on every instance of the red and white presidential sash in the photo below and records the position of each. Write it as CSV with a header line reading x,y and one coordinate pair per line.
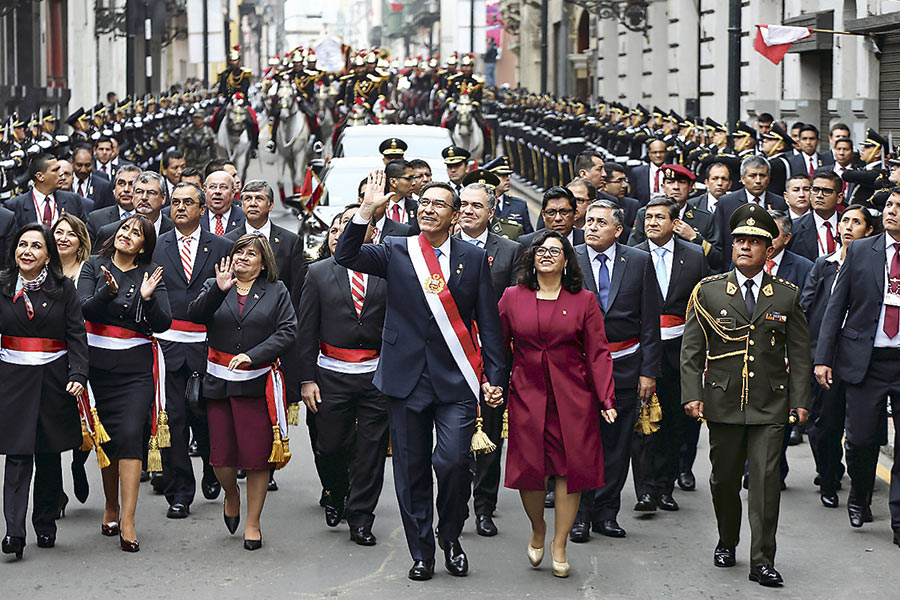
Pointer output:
x,y
622,349
671,326
443,308
30,351
184,332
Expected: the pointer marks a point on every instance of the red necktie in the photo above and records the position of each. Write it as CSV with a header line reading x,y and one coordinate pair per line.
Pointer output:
x,y
220,229
830,246
186,257
812,168
395,213
104,169
892,313
357,290
81,189
770,264
656,182
47,218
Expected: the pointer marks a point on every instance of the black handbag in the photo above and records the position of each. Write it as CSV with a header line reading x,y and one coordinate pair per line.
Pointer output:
x,y
193,394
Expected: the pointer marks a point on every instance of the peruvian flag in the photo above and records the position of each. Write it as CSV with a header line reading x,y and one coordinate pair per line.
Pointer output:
x,y
311,192
773,41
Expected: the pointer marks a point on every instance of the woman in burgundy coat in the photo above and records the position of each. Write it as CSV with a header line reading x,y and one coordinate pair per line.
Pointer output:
x,y
560,388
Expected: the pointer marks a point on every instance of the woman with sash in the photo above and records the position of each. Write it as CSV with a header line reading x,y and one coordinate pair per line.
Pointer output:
x,y
124,303
44,367
250,322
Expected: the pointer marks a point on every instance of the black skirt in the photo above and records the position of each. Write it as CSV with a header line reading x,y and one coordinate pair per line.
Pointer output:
x,y
123,402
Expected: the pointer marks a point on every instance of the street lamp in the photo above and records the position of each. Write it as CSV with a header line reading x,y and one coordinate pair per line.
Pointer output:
x,y
631,14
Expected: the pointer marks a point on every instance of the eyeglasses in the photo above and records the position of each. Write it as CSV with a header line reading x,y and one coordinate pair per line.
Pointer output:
x,y
552,212
222,186
435,204
543,251
408,177
142,192
185,203
816,190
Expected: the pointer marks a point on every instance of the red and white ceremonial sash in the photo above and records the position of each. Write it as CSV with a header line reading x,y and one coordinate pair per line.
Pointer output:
x,y
217,366
30,351
622,349
443,308
184,332
671,326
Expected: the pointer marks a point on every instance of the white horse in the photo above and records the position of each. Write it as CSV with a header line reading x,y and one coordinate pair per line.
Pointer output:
x,y
467,133
233,137
291,138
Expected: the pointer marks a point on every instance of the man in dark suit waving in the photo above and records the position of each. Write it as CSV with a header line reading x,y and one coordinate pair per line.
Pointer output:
x,y
44,203
436,287
624,282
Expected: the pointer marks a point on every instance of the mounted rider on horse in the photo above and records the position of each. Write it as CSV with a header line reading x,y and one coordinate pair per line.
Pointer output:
x,y
305,78
236,79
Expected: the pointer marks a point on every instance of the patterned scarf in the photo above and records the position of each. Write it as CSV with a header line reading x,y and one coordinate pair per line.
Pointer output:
x,y
23,286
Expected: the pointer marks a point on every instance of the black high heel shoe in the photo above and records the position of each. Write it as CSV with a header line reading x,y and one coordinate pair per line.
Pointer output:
x,y
231,522
253,544
63,502
13,545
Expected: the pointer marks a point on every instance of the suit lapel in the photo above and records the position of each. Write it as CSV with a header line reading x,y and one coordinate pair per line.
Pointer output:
x,y
342,281
202,256
879,262
618,272
455,259
174,255
677,265
585,263
253,296
490,247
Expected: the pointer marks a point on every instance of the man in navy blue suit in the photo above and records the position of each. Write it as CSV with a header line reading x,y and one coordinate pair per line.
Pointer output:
x,y
222,214
43,203
425,370
860,341
815,233
96,190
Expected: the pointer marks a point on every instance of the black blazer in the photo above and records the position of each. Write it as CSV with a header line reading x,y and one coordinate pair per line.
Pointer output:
x,y
264,330
799,164
525,240
98,190
815,295
109,230
700,220
728,203
639,183
210,250
235,220
122,310
8,229
392,227
848,327
633,312
23,206
288,255
327,314
805,238
794,268
504,257
100,217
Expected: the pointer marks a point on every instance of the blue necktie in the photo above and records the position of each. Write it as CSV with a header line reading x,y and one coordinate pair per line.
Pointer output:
x,y
602,280
437,253
661,276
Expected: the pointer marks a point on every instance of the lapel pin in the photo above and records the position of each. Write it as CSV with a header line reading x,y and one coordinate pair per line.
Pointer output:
x,y
623,259
44,305
277,240
681,261
256,296
205,249
564,313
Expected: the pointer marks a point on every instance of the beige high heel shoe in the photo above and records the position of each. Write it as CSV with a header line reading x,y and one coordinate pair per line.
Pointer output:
x,y
535,555
560,569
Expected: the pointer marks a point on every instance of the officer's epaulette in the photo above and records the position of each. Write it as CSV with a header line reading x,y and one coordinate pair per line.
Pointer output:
x,y
347,76
478,78
714,277
785,283
246,71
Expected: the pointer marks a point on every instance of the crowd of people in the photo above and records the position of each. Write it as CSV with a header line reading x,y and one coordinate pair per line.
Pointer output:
x,y
165,315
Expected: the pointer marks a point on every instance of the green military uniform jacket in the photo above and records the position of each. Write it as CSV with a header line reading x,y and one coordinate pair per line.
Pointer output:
x,y
746,382
701,221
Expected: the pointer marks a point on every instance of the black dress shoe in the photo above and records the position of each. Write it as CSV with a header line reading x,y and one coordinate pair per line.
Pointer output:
x,y
158,483
63,502
273,485
484,526
363,536
580,532
645,503
796,437
145,476
667,502
421,570
687,482
193,450
231,523
323,499
867,514
210,489
13,545
333,515
80,482
550,499
46,540
766,575
179,510
455,560
609,528
723,556
252,545
830,499
897,538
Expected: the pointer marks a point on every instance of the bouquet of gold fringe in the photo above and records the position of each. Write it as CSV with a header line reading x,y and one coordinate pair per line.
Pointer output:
x,y
649,417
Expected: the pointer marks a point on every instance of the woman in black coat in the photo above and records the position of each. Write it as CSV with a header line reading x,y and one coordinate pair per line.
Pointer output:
x,y
124,303
250,321
43,367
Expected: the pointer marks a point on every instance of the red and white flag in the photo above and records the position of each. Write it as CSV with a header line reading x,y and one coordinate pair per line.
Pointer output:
x,y
773,41
312,189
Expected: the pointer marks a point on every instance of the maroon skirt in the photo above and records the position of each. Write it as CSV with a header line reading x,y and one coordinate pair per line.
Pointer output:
x,y
240,433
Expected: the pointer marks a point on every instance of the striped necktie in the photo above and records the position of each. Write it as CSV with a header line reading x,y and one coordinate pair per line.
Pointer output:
x,y
358,291
186,257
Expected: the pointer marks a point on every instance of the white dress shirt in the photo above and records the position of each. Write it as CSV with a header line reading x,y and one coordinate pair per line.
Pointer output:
x,y
194,236
479,241
881,338
212,219
757,283
610,254
795,216
379,229
668,258
39,200
99,166
836,257
404,218
265,230
653,170
777,260
157,224
754,200
711,203
821,232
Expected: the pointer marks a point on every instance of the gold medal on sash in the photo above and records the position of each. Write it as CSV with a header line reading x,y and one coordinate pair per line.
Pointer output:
x,y
434,284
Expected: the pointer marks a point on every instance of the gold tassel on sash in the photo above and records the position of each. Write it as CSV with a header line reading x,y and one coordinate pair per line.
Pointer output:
x,y
293,414
504,432
99,429
481,443
162,430
277,454
655,410
154,458
286,452
102,459
87,442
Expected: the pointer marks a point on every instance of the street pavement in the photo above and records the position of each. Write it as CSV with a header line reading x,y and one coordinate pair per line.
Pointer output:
x,y
666,555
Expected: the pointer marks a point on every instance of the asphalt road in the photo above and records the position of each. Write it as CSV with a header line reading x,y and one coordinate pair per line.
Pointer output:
x,y
666,555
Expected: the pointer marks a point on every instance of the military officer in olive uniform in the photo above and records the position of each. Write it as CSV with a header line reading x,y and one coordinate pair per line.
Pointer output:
x,y
510,209
741,325
392,149
197,141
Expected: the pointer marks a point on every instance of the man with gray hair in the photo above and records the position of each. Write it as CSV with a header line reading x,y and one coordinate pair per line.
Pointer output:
x,y
624,281
755,177
222,215
123,206
478,200
149,195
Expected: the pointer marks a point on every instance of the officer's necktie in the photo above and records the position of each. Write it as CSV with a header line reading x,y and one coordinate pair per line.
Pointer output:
x,y
812,167
47,218
602,280
661,276
892,313
830,246
81,189
395,213
749,298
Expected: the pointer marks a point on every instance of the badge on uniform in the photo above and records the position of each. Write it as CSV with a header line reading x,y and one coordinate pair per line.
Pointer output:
x,y
767,290
777,317
490,261
731,289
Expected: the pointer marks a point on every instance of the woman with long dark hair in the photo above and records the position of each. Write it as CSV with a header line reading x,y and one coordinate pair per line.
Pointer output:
x,y
124,302
250,320
561,385
43,366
